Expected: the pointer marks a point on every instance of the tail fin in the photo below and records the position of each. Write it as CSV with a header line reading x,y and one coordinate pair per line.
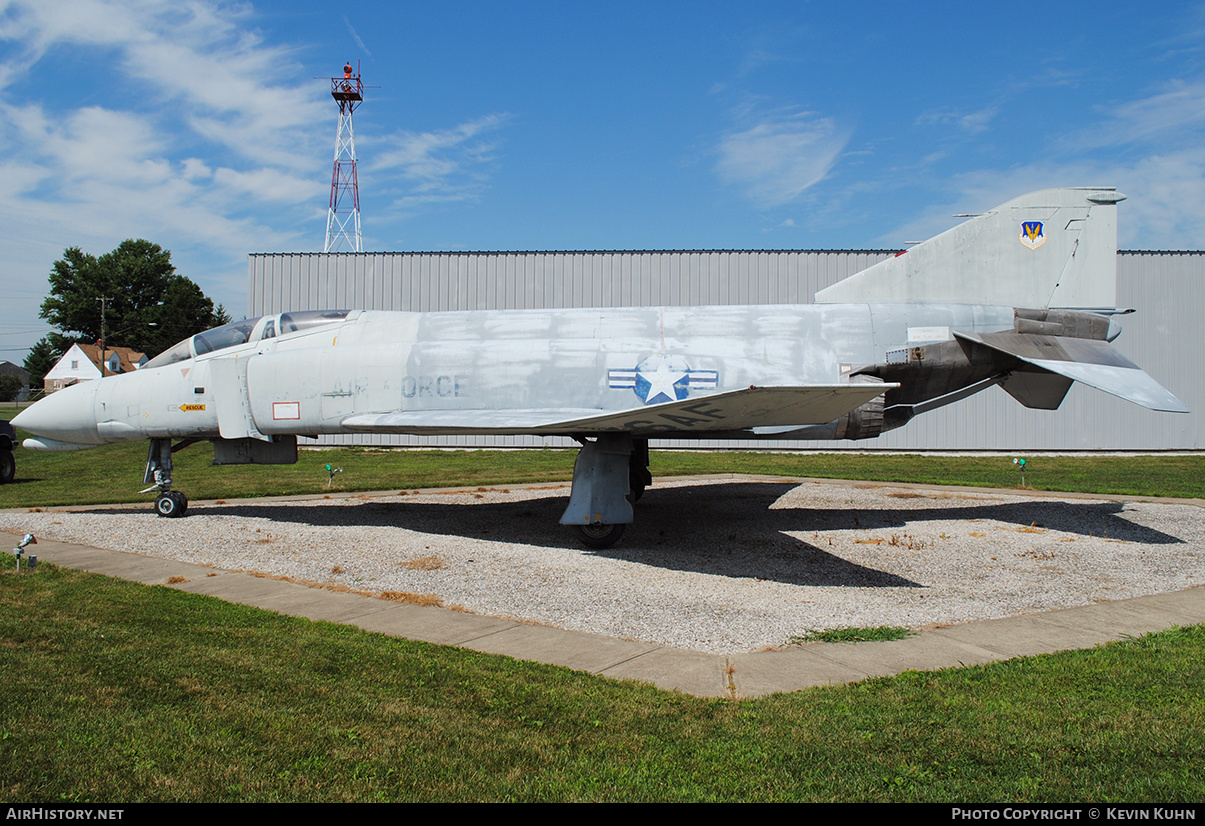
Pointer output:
x,y
1054,248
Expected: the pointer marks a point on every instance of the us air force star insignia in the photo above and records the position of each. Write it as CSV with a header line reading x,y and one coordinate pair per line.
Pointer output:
x,y
1032,235
661,378
661,382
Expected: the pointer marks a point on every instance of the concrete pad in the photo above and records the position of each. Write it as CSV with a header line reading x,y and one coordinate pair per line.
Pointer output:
x,y
1191,601
309,603
1183,607
926,651
1025,636
136,569
674,669
583,652
280,596
240,587
61,553
440,626
772,672
1108,621
133,567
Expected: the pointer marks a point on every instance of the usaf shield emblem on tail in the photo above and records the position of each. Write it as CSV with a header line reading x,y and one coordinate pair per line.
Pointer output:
x,y
1031,234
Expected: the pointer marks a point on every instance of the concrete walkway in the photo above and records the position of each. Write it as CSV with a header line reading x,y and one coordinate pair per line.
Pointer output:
x,y
704,675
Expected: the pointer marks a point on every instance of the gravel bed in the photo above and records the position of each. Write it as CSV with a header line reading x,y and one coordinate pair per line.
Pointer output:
x,y
718,567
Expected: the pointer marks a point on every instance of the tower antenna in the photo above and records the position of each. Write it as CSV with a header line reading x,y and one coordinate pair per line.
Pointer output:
x,y
343,219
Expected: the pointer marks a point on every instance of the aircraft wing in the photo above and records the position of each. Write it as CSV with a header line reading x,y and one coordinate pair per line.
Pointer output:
x,y
730,411
1089,361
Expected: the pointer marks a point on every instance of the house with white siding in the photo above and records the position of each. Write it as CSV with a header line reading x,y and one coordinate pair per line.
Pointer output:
x,y
84,362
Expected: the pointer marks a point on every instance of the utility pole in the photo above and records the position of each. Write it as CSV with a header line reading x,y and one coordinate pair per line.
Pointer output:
x,y
102,301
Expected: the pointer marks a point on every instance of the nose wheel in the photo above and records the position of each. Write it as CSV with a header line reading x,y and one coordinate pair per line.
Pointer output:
x,y
171,504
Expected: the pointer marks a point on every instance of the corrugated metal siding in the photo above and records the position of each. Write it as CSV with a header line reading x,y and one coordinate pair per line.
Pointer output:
x,y
425,281
1164,336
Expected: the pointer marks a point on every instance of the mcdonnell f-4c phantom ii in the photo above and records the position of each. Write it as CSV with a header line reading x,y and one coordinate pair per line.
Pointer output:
x,y
1023,297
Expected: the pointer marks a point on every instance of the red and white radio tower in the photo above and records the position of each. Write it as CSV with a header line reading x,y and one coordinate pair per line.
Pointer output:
x,y
343,220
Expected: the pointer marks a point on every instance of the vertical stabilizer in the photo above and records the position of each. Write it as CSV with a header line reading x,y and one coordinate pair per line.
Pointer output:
x,y
1054,248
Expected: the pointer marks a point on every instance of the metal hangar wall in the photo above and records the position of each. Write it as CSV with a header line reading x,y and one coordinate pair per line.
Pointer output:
x,y
1164,336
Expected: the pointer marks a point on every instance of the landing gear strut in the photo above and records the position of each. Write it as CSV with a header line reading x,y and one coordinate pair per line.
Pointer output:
x,y
638,470
169,503
611,472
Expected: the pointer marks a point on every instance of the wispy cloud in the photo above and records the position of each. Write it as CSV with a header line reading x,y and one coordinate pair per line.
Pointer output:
x,y
355,36
780,156
1174,114
971,122
442,165
789,223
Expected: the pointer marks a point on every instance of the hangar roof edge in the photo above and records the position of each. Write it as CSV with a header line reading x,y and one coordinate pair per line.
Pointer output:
x,y
659,252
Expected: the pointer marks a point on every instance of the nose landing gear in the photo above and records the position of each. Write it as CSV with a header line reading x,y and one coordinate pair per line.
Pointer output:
x,y
169,503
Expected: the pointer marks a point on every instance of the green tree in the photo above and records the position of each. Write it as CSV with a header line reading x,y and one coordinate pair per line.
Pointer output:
x,y
42,356
148,305
10,385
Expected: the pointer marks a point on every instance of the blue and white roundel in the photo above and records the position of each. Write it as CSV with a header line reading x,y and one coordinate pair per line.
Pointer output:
x,y
662,378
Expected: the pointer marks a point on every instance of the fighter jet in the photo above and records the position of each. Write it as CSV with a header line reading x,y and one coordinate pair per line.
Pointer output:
x,y
1023,297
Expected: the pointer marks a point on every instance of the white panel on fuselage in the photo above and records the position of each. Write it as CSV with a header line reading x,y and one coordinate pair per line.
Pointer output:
x,y
229,376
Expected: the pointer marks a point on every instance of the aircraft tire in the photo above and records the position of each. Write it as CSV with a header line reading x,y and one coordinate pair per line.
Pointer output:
x,y
170,504
8,467
599,535
182,500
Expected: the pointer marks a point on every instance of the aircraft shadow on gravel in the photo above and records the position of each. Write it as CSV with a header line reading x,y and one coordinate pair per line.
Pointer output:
x,y
727,529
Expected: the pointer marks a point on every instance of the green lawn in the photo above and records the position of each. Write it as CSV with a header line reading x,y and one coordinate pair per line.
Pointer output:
x,y
121,693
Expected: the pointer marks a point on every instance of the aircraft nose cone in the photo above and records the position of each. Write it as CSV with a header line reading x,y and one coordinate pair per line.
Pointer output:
x,y
65,416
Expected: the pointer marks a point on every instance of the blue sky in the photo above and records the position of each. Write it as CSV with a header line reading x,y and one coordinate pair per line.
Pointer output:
x,y
201,125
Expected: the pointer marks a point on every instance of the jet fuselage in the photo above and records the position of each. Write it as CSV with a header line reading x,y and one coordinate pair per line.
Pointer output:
x,y
311,381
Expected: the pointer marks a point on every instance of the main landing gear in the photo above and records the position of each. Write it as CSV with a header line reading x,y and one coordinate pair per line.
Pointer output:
x,y
609,475
598,535
169,503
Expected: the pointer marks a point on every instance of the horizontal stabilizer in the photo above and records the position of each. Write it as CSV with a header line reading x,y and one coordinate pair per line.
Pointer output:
x,y
731,411
1089,361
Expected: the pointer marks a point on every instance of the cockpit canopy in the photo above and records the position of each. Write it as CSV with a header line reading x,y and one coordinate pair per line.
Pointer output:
x,y
241,332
